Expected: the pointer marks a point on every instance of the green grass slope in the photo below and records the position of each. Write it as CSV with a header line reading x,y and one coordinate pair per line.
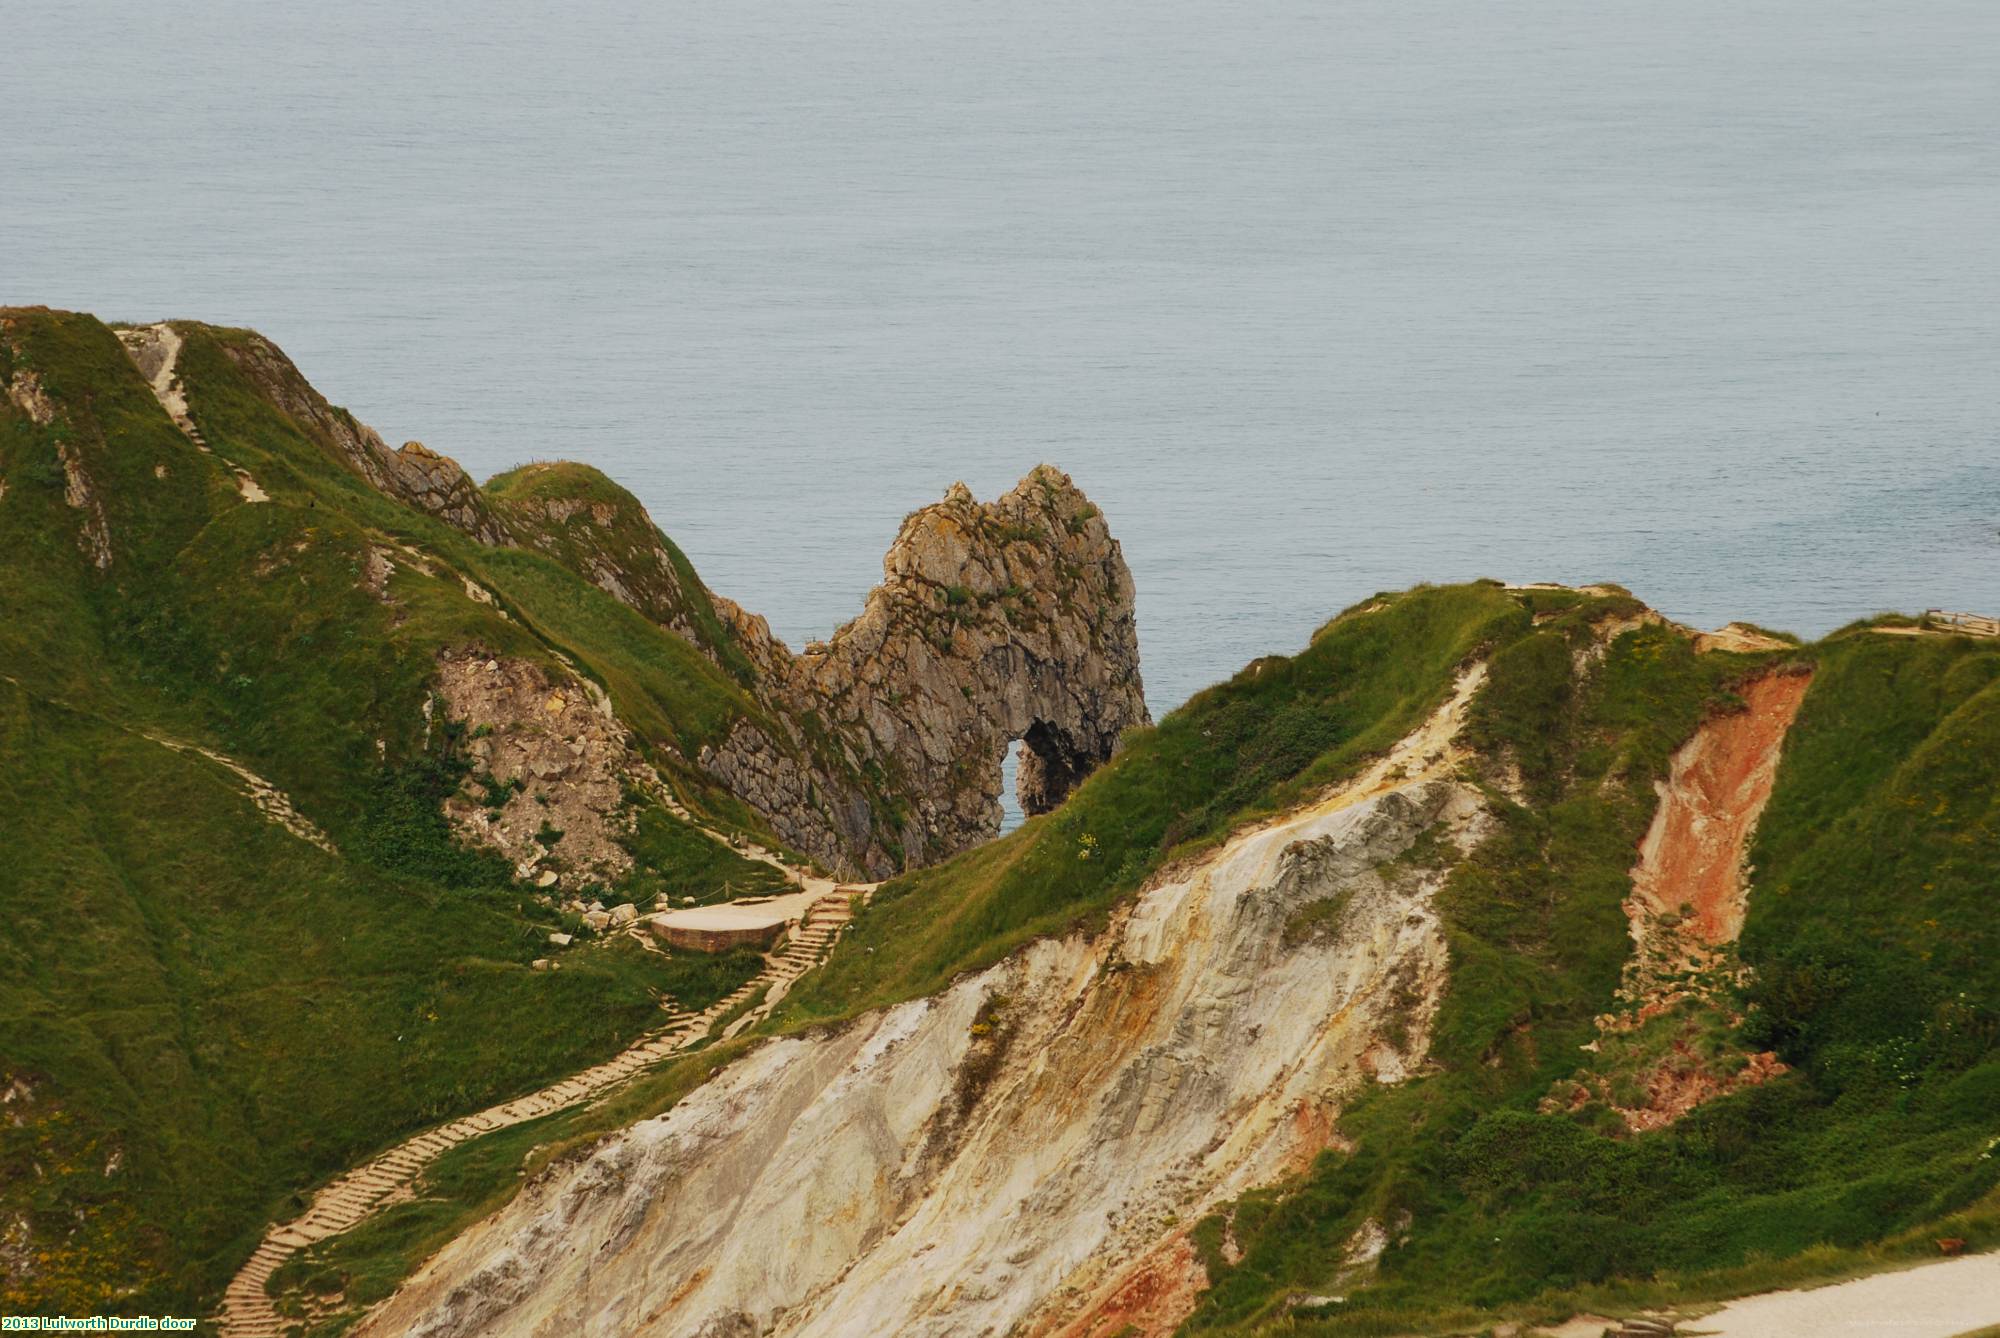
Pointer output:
x,y
1245,747
594,527
202,1015
592,579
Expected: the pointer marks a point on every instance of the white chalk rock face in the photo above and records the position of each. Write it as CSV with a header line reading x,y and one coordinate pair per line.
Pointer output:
x,y
1003,1154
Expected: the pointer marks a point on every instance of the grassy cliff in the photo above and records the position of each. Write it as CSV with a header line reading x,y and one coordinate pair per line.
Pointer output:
x,y
1869,946
1870,953
203,1014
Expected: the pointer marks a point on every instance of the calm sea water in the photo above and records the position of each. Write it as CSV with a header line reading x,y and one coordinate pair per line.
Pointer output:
x,y
1313,299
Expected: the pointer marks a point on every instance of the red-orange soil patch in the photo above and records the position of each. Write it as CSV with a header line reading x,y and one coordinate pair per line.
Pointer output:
x,y
1149,1299
1690,866
1689,894
1682,1082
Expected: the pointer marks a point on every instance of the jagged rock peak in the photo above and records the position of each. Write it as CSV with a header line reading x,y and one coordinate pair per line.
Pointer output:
x,y
994,622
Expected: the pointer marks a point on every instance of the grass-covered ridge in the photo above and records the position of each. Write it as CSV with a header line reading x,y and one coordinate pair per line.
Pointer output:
x,y
1252,746
594,527
202,1015
1881,1138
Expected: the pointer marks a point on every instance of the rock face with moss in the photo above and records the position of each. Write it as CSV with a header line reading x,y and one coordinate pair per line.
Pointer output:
x,y
997,622
549,766
881,749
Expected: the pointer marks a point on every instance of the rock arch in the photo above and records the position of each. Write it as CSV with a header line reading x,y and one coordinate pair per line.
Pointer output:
x,y
994,622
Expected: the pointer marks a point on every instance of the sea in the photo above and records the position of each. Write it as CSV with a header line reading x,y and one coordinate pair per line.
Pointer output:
x,y
1313,299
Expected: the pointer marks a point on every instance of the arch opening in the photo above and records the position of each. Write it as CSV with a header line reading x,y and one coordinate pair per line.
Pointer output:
x,y
1011,815
1051,765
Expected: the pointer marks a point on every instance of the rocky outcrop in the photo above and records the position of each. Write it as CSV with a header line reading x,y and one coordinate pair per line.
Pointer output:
x,y
435,483
414,474
550,765
813,805
94,534
1011,620
881,749
751,633
26,393
24,390
996,1158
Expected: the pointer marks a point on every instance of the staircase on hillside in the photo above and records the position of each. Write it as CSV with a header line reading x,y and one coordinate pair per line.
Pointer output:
x,y
247,1311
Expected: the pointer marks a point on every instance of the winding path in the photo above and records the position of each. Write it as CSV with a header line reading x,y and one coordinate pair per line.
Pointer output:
x,y
272,802
156,351
247,1311
269,800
